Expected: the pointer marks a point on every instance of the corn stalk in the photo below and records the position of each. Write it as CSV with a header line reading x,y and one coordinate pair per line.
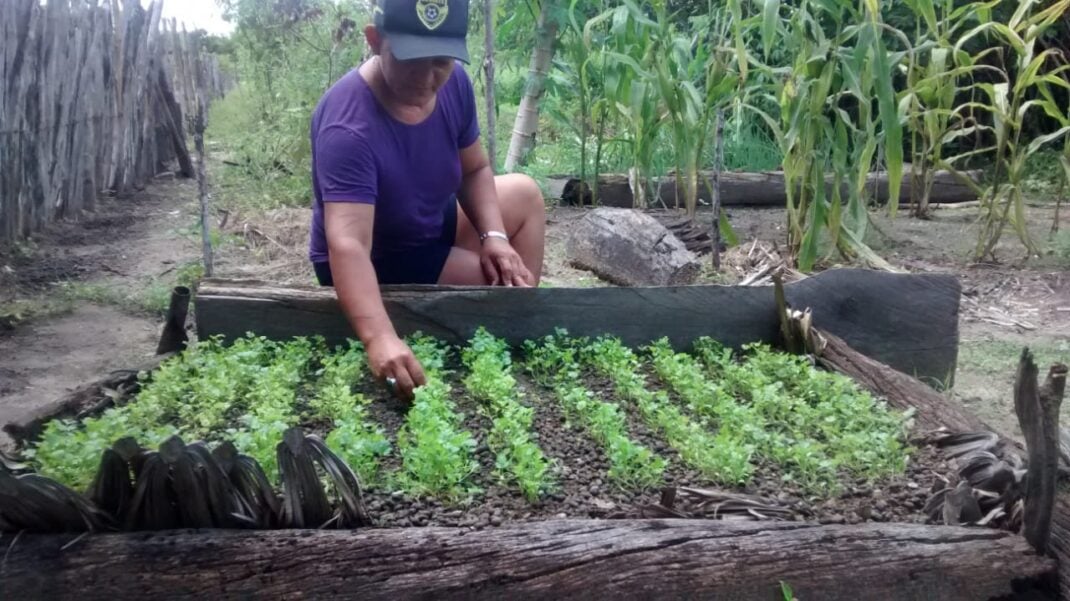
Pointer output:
x,y
1009,104
828,125
680,61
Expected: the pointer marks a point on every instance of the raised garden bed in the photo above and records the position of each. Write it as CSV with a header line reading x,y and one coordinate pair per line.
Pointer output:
x,y
540,549
597,430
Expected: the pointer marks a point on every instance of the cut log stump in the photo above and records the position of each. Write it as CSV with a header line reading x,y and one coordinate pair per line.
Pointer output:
x,y
630,248
567,559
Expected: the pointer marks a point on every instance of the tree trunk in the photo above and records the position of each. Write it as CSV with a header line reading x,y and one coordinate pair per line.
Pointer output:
x,y
565,559
488,78
1037,407
765,189
527,117
630,248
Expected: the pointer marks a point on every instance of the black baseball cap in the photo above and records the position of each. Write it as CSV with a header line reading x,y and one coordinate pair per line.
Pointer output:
x,y
424,28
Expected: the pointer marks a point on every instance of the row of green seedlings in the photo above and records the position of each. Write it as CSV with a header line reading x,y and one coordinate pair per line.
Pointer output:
x,y
518,458
437,453
555,364
199,390
201,393
815,426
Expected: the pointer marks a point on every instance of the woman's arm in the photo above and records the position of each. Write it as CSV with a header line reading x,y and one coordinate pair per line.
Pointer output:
x,y
349,237
479,199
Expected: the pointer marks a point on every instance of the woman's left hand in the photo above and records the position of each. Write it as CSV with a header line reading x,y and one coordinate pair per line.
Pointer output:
x,y
502,265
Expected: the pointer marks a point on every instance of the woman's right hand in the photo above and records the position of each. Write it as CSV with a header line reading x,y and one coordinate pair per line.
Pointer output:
x,y
390,357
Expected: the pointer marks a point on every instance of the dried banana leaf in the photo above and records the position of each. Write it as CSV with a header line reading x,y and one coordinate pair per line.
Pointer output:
x,y
112,489
352,512
723,505
153,507
38,504
959,444
255,494
304,502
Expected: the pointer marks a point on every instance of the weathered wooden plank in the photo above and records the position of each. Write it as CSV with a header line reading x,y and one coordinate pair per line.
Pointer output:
x,y
909,322
567,559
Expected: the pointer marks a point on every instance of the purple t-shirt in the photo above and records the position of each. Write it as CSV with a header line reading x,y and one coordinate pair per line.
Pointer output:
x,y
409,172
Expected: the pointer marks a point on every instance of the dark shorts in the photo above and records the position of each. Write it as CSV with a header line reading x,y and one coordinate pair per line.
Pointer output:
x,y
418,265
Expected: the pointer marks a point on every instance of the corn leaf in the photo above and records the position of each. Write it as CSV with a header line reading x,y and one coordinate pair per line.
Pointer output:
x,y
770,19
893,130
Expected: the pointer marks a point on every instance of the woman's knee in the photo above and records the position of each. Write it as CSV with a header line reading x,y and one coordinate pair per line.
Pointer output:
x,y
520,191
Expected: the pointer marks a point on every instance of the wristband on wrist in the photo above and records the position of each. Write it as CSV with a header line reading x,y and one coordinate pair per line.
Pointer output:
x,y
492,234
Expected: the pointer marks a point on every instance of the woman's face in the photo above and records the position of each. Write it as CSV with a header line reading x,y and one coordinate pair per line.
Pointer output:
x,y
413,82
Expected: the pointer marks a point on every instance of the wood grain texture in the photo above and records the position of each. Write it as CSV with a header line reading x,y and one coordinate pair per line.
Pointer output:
x,y
909,322
568,559
630,248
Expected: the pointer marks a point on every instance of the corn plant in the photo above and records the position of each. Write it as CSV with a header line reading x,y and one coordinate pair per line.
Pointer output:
x,y
827,124
625,37
1009,104
680,61
936,79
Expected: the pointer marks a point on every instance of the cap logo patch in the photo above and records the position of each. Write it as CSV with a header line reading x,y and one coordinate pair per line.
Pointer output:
x,y
432,13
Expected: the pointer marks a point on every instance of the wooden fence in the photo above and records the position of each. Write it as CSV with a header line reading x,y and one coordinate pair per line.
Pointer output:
x,y
94,97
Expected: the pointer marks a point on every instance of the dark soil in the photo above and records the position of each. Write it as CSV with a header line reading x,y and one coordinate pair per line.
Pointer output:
x,y
583,490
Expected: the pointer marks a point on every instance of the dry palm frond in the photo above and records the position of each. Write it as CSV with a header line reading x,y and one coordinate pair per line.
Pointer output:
x,y
255,494
722,505
183,486
965,443
12,464
112,489
986,486
38,504
305,503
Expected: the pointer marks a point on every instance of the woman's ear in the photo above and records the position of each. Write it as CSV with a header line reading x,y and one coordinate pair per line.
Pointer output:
x,y
375,40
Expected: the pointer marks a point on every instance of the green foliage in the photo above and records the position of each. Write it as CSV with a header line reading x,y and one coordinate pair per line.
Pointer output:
x,y
556,361
812,424
355,437
285,56
518,456
437,453
70,452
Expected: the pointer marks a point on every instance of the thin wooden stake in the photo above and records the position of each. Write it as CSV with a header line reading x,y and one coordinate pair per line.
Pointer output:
x,y
1037,408
715,192
202,187
488,78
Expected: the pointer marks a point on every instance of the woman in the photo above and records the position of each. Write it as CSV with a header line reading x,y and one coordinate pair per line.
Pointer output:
x,y
404,192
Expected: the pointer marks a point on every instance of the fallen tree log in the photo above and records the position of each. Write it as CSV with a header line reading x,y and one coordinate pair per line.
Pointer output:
x,y
84,400
756,189
907,321
568,559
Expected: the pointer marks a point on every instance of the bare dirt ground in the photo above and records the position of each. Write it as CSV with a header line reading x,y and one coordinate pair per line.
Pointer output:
x,y
84,297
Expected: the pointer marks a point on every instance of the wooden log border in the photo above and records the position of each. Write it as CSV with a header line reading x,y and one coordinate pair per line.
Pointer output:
x,y
909,322
560,559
